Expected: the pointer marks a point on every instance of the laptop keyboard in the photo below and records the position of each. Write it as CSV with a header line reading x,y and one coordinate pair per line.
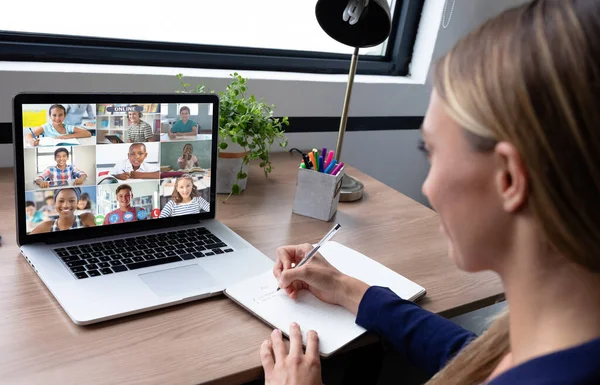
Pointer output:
x,y
116,256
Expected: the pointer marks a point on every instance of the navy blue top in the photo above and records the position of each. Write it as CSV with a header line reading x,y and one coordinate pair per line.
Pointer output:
x,y
430,341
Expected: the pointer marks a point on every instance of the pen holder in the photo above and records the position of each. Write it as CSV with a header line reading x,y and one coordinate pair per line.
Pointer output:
x,y
317,194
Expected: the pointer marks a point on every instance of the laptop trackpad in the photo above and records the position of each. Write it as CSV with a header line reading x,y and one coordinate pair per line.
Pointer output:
x,y
178,281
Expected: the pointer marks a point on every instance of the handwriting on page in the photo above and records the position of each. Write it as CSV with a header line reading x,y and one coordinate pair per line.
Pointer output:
x,y
264,297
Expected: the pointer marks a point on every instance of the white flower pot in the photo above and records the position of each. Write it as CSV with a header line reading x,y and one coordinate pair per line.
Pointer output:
x,y
229,162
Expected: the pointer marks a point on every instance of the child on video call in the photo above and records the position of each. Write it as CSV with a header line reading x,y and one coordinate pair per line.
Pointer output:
x,y
33,216
134,166
185,199
138,130
66,203
187,160
56,129
62,172
125,212
84,205
184,126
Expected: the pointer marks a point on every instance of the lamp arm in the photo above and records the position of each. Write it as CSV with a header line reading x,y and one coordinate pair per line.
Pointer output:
x,y
353,63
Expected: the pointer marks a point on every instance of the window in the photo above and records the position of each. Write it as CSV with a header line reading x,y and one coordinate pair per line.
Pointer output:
x,y
234,34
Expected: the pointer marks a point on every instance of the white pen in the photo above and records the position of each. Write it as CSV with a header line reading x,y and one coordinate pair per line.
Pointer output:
x,y
316,248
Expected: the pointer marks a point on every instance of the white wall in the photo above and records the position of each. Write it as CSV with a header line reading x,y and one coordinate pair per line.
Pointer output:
x,y
30,172
294,94
114,153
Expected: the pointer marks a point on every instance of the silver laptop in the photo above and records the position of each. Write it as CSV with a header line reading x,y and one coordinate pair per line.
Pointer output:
x,y
115,197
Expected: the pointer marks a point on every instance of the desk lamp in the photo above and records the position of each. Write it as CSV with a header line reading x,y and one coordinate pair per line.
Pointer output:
x,y
360,24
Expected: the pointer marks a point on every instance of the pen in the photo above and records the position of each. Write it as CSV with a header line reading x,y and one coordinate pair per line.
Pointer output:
x,y
316,248
32,134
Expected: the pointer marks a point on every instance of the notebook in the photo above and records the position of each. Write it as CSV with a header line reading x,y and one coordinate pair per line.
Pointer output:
x,y
335,325
47,141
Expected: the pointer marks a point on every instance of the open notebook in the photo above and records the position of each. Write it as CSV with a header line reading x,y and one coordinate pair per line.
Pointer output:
x,y
335,325
48,141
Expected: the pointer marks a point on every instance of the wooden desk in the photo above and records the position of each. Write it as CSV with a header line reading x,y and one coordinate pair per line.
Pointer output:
x,y
215,341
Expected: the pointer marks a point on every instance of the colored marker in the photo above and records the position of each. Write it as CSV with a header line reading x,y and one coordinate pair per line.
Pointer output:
x,y
329,158
302,165
321,166
306,161
330,167
311,155
337,169
32,134
324,153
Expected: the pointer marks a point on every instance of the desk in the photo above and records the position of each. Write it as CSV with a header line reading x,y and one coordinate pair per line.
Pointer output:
x,y
215,341
89,141
89,181
190,138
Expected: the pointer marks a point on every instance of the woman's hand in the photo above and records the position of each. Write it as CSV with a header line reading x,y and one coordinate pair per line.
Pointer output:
x,y
318,276
295,367
44,184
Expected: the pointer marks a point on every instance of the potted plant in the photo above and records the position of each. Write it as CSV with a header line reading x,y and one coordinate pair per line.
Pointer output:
x,y
247,129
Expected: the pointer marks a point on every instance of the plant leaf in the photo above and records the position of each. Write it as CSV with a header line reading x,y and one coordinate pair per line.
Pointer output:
x,y
235,189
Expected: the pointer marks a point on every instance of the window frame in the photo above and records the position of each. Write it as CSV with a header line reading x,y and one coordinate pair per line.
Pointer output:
x,y
22,46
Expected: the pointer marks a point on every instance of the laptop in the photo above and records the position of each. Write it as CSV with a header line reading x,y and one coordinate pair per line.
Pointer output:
x,y
124,238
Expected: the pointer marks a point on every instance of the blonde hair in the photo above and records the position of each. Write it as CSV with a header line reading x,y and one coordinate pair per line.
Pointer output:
x,y
176,196
531,76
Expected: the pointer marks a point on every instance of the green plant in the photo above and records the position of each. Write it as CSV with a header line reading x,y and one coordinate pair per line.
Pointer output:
x,y
247,121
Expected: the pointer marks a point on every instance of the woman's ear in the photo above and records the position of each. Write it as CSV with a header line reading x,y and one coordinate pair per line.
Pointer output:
x,y
511,177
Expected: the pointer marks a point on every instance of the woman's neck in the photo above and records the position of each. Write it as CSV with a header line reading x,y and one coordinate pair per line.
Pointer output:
x,y
186,200
552,301
184,120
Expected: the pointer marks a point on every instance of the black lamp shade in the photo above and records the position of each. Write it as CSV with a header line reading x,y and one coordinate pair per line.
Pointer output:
x,y
372,28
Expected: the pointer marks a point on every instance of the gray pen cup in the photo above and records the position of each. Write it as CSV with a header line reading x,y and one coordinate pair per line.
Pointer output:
x,y
317,194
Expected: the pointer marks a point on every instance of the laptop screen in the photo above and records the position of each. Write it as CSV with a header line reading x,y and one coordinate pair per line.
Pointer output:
x,y
106,164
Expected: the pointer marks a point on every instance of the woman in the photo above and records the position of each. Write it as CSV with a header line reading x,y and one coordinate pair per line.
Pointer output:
x,y
512,134
66,203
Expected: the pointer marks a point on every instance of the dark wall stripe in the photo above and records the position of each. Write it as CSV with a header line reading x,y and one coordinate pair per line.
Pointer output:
x,y
313,124
5,133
